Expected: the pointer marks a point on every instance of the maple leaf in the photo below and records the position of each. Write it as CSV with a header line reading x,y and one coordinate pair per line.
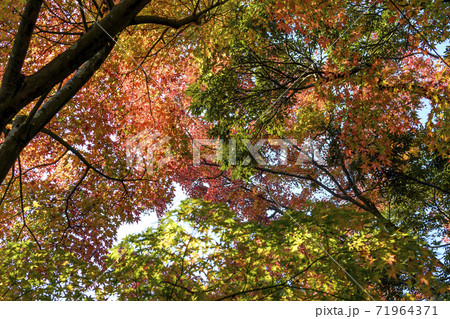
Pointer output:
x,y
72,98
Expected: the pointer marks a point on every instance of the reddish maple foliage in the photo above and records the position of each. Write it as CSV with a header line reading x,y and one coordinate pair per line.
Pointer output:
x,y
80,79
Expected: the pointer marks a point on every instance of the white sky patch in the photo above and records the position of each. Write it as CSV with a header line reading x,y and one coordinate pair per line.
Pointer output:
x,y
424,112
149,219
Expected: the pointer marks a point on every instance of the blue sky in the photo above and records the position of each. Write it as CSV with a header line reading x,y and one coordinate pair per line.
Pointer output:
x,y
149,219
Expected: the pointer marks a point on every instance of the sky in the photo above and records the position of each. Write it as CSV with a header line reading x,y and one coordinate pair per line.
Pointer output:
x,y
149,219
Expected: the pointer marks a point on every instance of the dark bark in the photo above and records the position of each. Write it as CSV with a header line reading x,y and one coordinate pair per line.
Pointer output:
x,y
70,60
12,78
86,55
176,24
21,135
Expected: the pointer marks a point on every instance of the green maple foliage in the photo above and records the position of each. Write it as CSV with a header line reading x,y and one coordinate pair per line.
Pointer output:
x,y
346,80
28,273
353,90
202,251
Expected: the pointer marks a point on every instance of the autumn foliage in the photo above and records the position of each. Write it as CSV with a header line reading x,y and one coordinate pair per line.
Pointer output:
x,y
360,88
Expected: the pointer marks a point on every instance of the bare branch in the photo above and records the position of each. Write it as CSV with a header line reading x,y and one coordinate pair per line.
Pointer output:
x,y
25,225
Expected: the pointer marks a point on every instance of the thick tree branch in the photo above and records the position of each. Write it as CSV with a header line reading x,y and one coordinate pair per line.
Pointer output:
x,y
120,16
93,47
70,60
21,135
12,78
174,23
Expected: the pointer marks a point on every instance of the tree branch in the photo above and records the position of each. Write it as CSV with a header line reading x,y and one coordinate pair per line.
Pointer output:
x,y
12,78
80,156
174,23
67,62
21,135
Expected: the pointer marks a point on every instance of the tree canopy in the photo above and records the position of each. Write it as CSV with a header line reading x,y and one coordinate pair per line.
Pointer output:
x,y
329,177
